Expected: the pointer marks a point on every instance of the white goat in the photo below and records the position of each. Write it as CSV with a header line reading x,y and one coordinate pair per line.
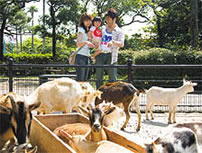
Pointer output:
x,y
58,95
167,96
62,94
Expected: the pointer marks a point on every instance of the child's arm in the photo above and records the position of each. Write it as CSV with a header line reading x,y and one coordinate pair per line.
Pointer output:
x,y
97,52
90,33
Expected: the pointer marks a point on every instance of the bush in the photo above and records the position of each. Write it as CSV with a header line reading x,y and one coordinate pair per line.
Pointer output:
x,y
161,56
30,58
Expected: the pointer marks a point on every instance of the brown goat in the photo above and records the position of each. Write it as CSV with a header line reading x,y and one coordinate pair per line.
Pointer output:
x,y
121,92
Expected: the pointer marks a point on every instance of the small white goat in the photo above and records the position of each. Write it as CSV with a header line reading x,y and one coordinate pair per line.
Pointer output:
x,y
167,96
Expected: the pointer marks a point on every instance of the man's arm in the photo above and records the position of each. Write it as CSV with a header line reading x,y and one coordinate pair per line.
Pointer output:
x,y
117,43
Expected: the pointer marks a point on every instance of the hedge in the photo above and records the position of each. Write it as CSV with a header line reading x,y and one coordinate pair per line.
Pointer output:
x,y
162,56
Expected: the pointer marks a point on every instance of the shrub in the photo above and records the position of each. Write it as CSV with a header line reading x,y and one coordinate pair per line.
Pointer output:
x,y
161,56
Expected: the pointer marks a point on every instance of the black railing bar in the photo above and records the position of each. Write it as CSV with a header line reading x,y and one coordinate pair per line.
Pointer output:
x,y
164,80
66,65
168,66
134,65
2,65
125,66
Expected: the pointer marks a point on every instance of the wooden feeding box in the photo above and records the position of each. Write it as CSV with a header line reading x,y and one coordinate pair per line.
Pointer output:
x,y
47,142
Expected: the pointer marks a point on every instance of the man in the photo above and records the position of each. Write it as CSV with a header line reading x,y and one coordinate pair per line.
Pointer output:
x,y
112,40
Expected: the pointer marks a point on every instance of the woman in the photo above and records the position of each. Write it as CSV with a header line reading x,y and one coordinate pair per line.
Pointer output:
x,y
83,56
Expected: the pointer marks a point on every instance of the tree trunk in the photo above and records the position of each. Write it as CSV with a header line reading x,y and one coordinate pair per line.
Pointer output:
x,y
53,32
21,40
194,23
2,39
17,40
160,35
44,21
32,32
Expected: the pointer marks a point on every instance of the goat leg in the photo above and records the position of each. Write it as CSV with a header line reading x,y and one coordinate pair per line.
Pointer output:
x,y
169,117
127,117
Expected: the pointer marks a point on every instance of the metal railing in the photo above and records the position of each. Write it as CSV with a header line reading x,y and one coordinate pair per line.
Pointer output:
x,y
25,85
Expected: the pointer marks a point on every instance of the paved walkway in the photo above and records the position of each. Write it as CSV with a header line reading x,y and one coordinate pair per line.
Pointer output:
x,y
152,129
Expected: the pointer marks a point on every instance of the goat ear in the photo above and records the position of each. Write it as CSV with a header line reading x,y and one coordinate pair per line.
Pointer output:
x,y
83,110
4,110
184,80
13,103
157,141
110,110
34,150
98,93
34,106
90,106
66,135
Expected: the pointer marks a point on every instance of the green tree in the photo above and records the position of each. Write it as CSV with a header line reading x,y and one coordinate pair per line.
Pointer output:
x,y
132,8
194,23
32,10
64,15
61,12
19,24
8,9
177,22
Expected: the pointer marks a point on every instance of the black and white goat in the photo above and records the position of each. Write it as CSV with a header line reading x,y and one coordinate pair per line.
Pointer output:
x,y
177,140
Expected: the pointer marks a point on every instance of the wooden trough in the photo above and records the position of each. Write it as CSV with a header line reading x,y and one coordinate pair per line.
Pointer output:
x,y
47,142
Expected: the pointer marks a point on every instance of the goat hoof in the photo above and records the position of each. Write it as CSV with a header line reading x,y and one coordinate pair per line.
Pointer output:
x,y
138,129
169,122
122,128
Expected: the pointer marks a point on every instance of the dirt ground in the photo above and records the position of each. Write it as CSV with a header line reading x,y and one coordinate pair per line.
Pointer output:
x,y
152,129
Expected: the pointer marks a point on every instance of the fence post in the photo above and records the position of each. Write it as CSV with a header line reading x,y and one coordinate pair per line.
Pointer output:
x,y
10,74
130,62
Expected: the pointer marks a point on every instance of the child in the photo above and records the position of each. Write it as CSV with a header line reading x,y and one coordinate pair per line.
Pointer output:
x,y
95,34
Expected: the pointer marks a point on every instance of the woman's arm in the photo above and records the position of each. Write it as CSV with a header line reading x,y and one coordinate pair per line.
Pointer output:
x,y
79,43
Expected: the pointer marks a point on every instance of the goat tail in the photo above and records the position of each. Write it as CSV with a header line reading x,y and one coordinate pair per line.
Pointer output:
x,y
139,91
143,91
